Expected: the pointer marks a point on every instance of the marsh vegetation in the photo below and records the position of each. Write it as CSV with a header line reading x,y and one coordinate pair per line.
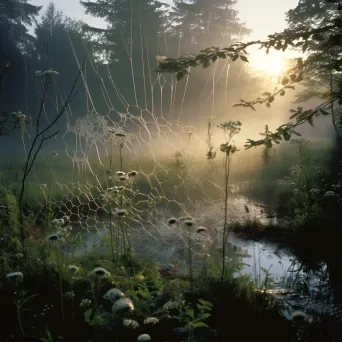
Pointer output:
x,y
145,198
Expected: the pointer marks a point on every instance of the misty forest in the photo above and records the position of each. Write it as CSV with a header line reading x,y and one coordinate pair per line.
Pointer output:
x,y
160,182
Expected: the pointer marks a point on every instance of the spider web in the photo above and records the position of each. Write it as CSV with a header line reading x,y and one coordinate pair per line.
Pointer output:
x,y
148,136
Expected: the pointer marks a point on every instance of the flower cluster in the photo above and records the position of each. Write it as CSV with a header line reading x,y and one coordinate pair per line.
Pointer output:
x,y
48,72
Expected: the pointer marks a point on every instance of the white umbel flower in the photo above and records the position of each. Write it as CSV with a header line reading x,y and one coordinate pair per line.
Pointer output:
x,y
123,304
113,295
18,276
151,320
144,337
73,268
100,273
130,323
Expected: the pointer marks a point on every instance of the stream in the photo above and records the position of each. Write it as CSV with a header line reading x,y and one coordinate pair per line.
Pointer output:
x,y
296,290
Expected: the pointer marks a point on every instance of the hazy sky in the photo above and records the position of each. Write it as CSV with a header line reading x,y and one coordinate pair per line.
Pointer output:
x,y
263,16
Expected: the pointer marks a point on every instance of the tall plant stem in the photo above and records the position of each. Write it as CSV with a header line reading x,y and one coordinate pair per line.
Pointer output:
x,y
225,226
190,261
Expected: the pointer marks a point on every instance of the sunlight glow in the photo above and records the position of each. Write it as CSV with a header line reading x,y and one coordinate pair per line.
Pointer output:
x,y
272,64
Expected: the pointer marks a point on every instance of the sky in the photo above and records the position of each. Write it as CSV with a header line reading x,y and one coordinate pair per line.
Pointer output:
x,y
262,16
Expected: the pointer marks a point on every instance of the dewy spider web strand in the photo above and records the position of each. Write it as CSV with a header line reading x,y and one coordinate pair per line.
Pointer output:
x,y
149,132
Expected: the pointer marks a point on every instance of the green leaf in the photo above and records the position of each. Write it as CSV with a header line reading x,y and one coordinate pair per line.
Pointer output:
x,y
190,313
200,325
244,58
324,112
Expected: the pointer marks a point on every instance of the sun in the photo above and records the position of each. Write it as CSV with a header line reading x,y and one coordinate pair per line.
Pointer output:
x,y
272,64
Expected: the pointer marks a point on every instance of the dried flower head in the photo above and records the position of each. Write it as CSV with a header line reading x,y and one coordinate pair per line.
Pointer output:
x,y
120,173
122,178
17,276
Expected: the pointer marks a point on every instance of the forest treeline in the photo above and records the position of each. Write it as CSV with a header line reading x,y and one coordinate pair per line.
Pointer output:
x,y
119,62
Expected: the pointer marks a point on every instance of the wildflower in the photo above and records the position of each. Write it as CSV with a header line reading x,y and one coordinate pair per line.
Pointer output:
x,y
151,320
172,220
69,295
144,337
130,323
184,218
120,173
170,305
161,59
330,194
20,116
100,272
113,295
73,268
121,212
18,276
302,315
48,72
201,230
123,304
66,218
85,303
52,237
132,174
